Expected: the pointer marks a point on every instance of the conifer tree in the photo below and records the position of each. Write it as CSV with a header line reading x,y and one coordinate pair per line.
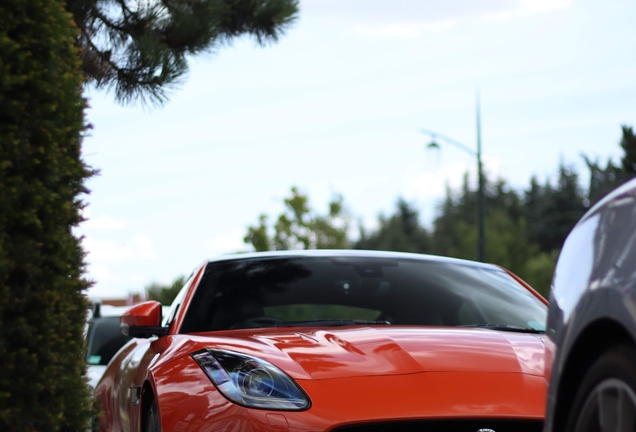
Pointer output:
x,y
454,229
139,49
42,307
628,144
602,180
399,232
554,209
459,209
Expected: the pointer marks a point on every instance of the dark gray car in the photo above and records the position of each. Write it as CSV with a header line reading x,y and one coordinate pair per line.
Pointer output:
x,y
592,322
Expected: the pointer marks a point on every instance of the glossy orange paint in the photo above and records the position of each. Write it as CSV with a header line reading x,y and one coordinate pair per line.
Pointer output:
x,y
430,395
113,391
310,353
191,402
146,314
351,374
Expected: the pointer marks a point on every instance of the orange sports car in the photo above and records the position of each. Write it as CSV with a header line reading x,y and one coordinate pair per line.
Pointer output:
x,y
333,341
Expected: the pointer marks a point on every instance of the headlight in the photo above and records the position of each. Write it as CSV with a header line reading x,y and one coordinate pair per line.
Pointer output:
x,y
250,381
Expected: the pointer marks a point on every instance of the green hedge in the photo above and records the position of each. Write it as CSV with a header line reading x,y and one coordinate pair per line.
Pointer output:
x,y
42,306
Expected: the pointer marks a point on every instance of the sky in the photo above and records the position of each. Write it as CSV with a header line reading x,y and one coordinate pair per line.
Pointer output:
x,y
336,106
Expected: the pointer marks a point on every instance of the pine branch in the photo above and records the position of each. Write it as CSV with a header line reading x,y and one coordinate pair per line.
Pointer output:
x,y
144,54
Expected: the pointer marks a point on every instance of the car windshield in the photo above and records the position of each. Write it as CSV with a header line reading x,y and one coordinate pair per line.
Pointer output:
x,y
104,340
284,292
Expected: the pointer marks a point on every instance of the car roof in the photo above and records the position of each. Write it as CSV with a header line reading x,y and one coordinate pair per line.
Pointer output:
x,y
626,191
327,253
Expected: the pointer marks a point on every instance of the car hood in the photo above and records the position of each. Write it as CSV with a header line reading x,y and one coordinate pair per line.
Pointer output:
x,y
323,353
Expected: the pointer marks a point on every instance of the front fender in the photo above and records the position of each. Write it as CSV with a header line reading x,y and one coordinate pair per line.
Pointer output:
x,y
188,401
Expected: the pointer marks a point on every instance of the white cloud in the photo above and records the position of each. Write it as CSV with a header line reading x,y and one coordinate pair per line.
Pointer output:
x,y
103,274
408,24
430,185
544,5
104,223
116,267
104,250
403,29
428,189
528,7
226,243
114,286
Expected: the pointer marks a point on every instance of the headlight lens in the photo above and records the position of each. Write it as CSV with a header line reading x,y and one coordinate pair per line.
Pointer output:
x,y
250,381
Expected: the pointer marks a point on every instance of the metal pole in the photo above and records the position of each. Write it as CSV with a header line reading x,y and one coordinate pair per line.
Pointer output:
x,y
481,236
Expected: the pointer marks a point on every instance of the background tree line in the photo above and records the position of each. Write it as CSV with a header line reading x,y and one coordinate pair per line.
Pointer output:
x,y
525,229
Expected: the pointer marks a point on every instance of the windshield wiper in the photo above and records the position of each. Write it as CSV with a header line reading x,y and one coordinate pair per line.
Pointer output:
x,y
505,327
330,323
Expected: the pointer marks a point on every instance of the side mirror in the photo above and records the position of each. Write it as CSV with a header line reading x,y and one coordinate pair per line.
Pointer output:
x,y
143,320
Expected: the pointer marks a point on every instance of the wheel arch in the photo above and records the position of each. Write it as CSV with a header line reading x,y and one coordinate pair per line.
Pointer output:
x,y
147,396
590,344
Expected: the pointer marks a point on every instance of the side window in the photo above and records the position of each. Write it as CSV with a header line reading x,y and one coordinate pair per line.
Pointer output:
x,y
167,320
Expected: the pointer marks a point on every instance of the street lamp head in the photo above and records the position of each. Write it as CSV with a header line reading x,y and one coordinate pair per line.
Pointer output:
x,y
433,145
434,151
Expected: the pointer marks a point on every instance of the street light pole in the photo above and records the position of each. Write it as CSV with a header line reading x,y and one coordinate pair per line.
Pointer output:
x,y
481,235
